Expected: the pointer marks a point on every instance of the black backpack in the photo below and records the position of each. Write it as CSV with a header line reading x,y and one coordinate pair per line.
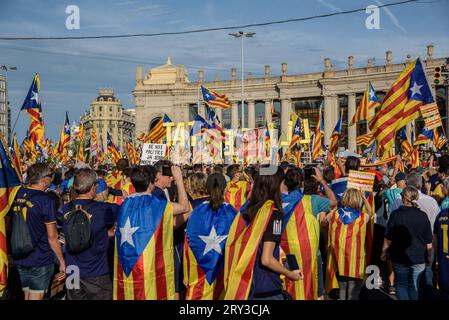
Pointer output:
x,y
78,229
21,241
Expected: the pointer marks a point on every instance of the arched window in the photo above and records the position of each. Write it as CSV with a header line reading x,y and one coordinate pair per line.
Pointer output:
x,y
154,122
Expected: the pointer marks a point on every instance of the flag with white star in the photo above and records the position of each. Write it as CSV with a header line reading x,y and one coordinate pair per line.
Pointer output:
x,y
207,231
348,215
143,261
215,99
367,106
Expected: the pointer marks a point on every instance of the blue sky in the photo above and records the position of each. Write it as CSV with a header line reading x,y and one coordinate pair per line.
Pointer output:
x,y
72,71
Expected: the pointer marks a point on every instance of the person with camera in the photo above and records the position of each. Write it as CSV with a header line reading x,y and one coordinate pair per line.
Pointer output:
x,y
92,258
144,221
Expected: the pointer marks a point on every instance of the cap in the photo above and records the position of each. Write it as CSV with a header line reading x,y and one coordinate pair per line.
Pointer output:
x,y
101,185
400,176
215,178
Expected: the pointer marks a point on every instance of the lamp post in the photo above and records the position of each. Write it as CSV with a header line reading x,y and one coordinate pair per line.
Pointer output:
x,y
242,35
6,68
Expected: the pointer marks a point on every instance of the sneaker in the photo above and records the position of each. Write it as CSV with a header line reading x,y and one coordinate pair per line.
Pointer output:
x,y
391,290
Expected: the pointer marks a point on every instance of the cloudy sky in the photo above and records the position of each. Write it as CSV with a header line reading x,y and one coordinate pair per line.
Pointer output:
x,y
72,71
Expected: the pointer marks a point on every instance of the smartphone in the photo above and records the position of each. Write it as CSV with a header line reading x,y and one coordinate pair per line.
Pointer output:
x,y
308,172
166,171
292,263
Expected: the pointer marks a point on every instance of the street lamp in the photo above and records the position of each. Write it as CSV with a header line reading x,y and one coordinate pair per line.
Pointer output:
x,y
6,68
242,35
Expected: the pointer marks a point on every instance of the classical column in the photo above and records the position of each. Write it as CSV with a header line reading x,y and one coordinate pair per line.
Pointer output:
x,y
268,105
330,116
286,107
186,113
251,114
202,110
234,115
352,130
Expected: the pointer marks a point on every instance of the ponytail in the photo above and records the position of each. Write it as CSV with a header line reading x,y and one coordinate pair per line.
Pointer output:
x,y
216,196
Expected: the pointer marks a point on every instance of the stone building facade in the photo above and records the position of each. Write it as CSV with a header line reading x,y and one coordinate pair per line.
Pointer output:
x,y
106,114
5,112
167,89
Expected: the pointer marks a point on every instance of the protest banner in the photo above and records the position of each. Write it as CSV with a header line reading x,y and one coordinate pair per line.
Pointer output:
x,y
152,152
361,180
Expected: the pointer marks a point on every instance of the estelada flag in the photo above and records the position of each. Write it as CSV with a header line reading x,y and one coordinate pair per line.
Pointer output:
x,y
241,252
143,259
9,185
204,248
346,240
236,193
301,237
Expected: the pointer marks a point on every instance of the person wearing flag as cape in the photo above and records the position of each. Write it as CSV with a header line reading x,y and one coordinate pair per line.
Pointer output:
x,y
144,258
238,189
346,259
207,230
252,267
301,235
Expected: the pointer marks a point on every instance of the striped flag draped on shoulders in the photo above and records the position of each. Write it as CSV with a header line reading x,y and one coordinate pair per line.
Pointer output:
x,y
241,252
300,237
236,193
143,262
346,238
9,185
204,248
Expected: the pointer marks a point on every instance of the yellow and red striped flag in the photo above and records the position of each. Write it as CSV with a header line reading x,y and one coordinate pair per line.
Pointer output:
x,y
318,138
214,99
236,193
439,141
346,239
301,238
335,136
203,267
9,185
367,106
64,138
365,139
143,261
388,118
241,252
113,150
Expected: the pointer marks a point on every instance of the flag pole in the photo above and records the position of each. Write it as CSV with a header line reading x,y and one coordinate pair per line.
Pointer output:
x,y
15,122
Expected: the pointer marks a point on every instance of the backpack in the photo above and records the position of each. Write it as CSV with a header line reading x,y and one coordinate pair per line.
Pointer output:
x,y
21,241
78,229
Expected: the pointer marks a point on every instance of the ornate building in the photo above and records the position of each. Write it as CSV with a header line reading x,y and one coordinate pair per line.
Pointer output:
x,y
167,89
106,114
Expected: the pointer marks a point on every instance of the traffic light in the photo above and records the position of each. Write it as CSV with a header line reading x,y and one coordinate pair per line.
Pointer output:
x,y
437,75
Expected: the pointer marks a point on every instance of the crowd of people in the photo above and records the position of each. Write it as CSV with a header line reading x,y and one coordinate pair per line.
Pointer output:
x,y
229,232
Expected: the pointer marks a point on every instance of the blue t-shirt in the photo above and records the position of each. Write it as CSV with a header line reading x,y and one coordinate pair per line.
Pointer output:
x,y
441,230
391,196
319,204
445,203
40,210
93,262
